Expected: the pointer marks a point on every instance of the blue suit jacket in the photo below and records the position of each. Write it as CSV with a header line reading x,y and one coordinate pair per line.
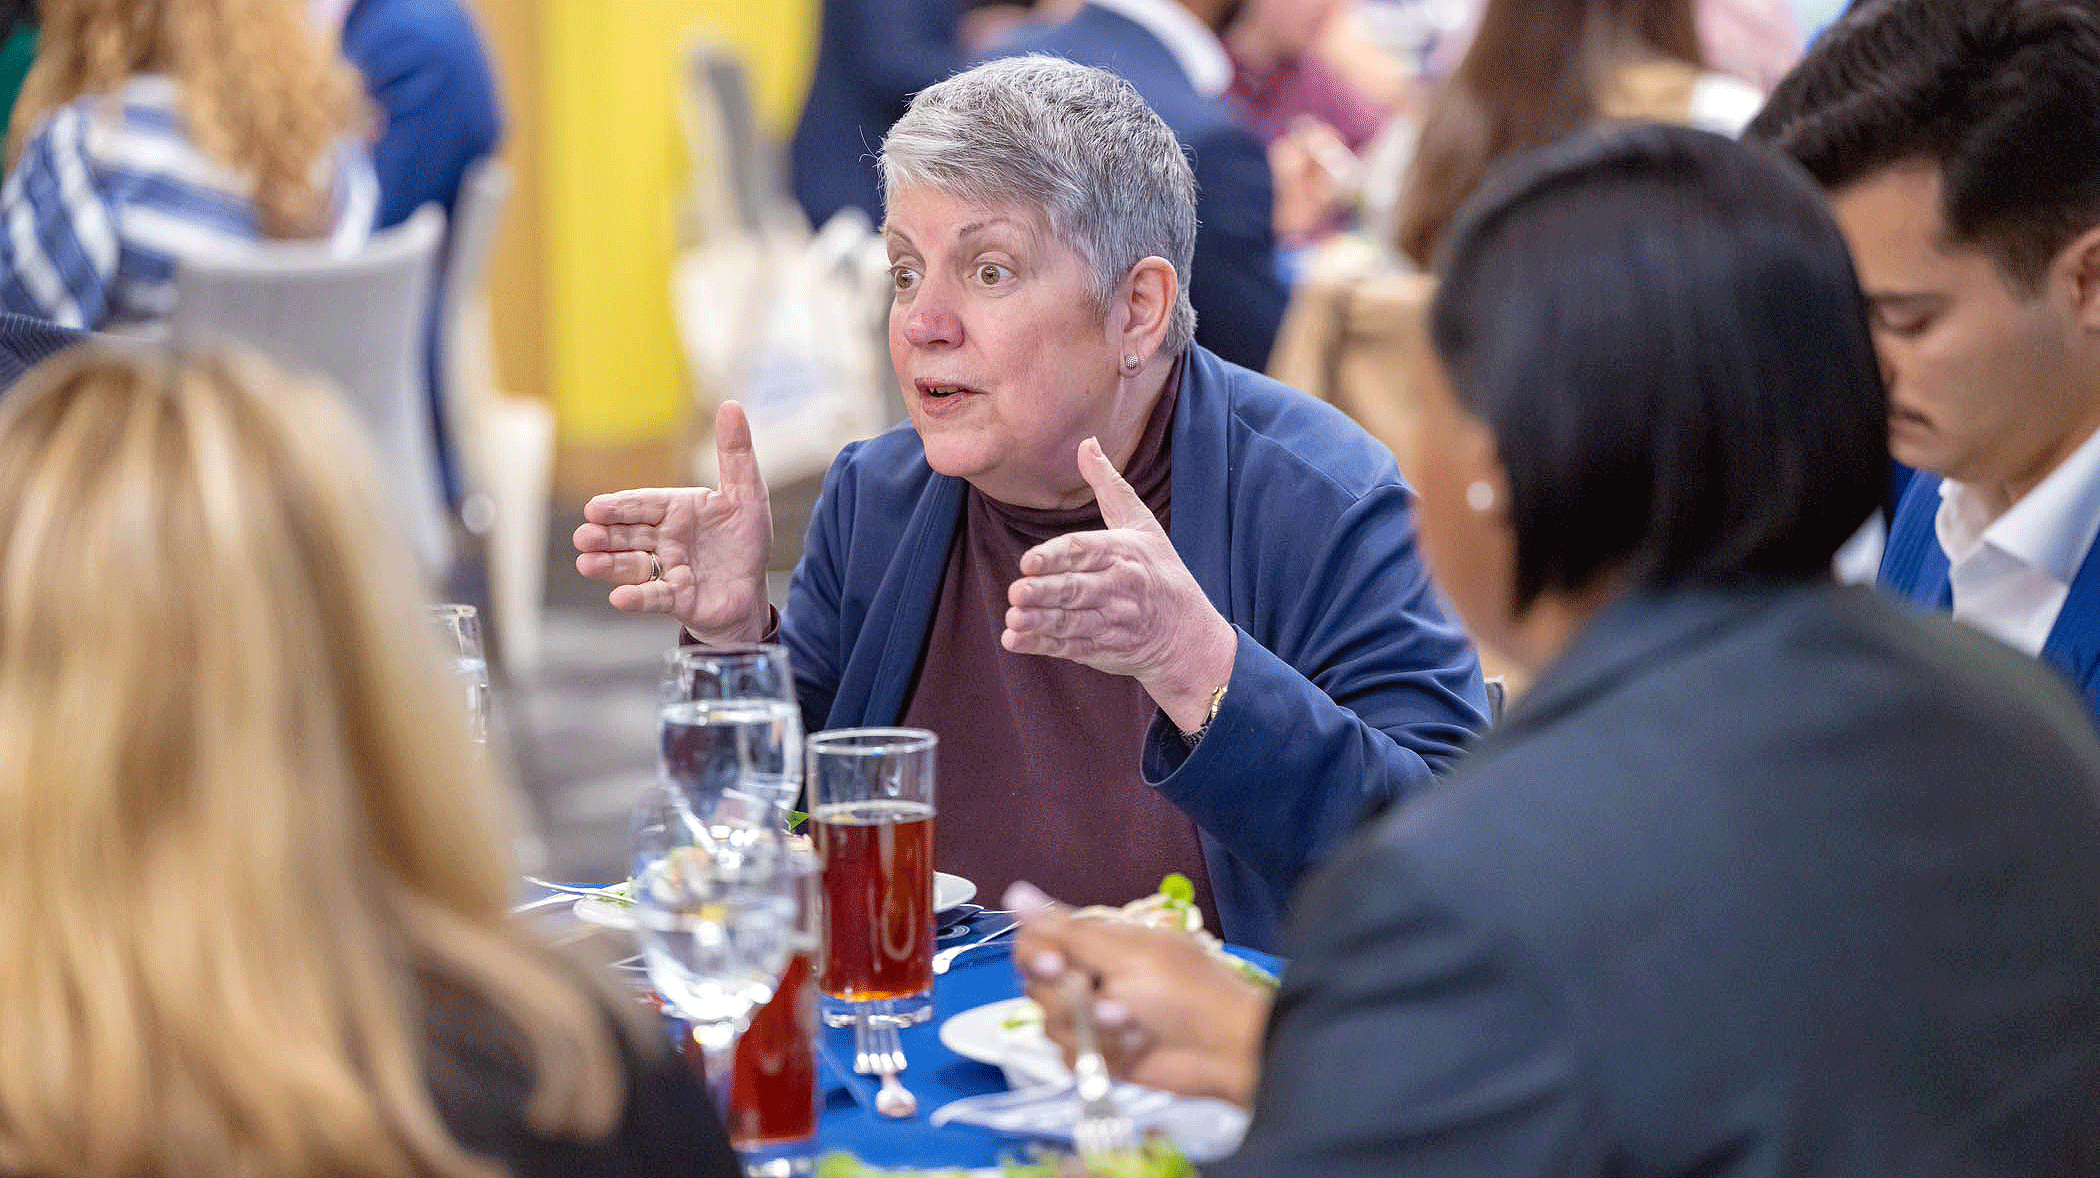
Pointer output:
x,y
1238,294
872,56
1351,684
1764,881
1914,568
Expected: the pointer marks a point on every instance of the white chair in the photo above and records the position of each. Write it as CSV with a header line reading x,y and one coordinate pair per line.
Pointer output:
x,y
356,319
504,445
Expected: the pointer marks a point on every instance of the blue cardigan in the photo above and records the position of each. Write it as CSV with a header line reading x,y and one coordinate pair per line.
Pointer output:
x,y
1914,568
1352,684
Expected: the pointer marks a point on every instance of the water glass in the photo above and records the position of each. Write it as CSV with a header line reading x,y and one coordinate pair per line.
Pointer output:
x,y
871,816
460,630
730,732
714,910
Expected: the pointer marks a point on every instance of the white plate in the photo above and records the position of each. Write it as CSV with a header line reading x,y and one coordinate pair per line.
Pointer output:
x,y
1009,1035
948,891
951,890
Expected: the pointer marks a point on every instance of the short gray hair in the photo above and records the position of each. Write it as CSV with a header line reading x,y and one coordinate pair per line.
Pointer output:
x,y
1075,142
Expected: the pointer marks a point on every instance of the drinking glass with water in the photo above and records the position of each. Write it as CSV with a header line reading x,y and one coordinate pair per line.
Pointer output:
x,y
730,732
460,630
715,909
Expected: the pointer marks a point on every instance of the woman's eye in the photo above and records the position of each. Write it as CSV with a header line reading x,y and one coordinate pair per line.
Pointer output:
x,y
1903,321
992,274
903,278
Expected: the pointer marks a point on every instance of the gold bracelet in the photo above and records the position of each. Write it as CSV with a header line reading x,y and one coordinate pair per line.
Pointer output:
x,y
1217,700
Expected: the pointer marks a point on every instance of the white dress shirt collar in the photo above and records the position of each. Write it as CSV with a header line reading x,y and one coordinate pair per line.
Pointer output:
x,y
1194,46
2049,529
2011,575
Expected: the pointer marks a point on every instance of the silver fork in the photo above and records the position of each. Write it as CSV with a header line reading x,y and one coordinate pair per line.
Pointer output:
x,y
1101,1128
878,1051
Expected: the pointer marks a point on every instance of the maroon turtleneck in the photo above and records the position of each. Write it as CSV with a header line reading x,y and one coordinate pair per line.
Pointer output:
x,y
1038,761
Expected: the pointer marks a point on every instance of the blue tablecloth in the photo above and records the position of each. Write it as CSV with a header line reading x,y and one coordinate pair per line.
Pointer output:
x,y
934,1073
937,1075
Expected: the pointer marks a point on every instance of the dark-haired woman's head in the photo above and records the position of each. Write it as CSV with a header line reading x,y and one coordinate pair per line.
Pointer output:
x,y
1657,370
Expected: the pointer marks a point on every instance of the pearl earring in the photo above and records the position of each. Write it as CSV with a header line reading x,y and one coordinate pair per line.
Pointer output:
x,y
1479,495
1132,362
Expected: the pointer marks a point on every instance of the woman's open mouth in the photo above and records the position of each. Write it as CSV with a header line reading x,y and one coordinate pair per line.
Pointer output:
x,y
935,388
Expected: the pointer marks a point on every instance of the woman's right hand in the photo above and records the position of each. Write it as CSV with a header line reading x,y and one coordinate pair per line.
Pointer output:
x,y
1168,1013
711,544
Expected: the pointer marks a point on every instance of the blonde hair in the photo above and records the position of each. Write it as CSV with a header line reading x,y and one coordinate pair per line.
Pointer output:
x,y
261,90
246,834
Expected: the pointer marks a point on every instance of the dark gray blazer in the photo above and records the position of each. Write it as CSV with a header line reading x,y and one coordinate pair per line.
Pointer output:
x,y
1770,881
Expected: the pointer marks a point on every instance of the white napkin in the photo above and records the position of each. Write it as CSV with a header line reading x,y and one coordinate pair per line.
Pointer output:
x,y
1206,1130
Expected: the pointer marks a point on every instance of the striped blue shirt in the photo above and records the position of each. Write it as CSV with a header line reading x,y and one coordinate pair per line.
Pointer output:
x,y
108,198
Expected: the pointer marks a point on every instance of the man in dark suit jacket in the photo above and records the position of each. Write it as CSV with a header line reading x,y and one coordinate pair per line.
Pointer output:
x,y
872,56
1154,44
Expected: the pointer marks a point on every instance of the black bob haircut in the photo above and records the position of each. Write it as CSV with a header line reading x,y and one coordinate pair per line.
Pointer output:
x,y
1662,331
2002,95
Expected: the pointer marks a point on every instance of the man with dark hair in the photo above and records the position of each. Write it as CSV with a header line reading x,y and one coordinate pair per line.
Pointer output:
x,y
1959,141
1170,50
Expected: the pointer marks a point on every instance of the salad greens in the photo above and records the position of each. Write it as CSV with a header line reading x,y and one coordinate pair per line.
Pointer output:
x,y
1179,890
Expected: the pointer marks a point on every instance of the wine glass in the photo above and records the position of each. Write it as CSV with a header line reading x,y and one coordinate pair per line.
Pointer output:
x,y
730,732
459,627
715,914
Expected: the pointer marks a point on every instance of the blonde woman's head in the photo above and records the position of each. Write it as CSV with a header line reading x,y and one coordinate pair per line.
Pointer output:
x,y
262,87
242,814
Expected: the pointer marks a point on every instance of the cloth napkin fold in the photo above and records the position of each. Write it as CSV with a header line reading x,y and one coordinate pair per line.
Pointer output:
x,y
1205,1129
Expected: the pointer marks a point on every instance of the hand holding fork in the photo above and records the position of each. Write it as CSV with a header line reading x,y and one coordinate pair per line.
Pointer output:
x,y
1102,1128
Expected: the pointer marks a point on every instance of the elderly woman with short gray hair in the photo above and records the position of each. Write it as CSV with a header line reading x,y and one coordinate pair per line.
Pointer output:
x,y
1164,613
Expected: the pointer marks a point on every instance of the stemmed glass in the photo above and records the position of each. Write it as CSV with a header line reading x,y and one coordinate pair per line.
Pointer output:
x,y
730,732
459,627
716,916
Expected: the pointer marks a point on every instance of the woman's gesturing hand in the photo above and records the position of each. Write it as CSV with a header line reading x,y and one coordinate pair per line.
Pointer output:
x,y
709,544
1121,600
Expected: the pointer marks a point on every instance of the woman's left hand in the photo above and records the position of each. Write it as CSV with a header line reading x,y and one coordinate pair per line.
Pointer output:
x,y
1121,600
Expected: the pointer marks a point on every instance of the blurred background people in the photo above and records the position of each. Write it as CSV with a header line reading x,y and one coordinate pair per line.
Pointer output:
x,y
435,98
1243,651
1170,50
255,881
153,130
1764,876
1281,79
1754,40
426,69
1535,73
1980,254
1313,116
17,50
872,56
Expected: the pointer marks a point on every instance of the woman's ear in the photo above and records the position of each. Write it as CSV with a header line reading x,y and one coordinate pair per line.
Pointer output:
x,y
1145,306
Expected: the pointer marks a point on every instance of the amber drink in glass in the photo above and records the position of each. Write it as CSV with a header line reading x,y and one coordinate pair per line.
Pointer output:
x,y
871,817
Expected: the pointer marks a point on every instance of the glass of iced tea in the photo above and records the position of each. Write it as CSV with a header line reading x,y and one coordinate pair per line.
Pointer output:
x,y
871,817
